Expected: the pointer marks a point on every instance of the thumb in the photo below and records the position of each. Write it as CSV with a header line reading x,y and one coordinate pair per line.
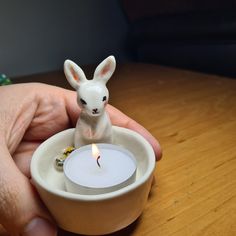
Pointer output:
x,y
21,211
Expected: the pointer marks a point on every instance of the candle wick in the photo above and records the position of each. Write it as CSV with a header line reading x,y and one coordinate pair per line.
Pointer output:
x,y
98,161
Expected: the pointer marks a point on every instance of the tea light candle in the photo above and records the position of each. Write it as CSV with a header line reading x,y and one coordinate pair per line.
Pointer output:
x,y
108,168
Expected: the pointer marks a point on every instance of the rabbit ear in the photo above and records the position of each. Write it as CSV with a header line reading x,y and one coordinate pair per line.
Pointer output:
x,y
74,74
105,70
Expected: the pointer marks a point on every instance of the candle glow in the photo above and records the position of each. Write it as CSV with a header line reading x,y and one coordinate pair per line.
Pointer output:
x,y
96,153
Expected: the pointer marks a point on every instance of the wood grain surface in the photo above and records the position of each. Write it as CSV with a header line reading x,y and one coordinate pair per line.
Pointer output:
x,y
193,116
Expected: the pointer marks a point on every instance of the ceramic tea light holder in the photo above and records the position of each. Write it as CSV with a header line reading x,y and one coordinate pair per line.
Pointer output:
x,y
109,192
99,213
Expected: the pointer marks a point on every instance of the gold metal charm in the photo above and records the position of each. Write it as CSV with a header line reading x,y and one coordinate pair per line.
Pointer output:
x,y
60,159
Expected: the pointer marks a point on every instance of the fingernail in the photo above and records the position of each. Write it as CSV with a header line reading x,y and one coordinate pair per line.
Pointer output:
x,y
39,227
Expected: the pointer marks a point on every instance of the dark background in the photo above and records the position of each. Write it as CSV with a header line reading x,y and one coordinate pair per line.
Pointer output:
x,y
37,36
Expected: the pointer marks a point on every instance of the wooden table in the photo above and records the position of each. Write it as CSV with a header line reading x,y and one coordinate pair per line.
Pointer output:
x,y
193,116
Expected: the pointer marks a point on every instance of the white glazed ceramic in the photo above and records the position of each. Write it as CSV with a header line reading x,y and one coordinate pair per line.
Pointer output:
x,y
93,214
93,125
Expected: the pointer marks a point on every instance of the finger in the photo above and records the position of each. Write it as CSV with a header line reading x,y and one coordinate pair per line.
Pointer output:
x,y
23,154
72,108
21,211
120,119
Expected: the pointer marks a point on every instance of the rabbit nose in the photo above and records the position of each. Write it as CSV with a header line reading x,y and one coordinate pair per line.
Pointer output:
x,y
95,110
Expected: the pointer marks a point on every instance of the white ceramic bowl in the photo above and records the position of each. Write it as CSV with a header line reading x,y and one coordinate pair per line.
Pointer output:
x,y
93,214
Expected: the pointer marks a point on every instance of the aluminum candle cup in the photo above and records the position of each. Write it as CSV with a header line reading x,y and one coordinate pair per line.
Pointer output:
x,y
85,174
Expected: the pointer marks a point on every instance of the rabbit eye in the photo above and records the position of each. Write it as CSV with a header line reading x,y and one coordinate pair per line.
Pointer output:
x,y
104,98
83,102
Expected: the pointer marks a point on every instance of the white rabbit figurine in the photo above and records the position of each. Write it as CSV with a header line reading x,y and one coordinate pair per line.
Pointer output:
x,y
93,125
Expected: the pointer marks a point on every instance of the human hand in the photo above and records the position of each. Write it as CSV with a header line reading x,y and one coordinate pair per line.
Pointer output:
x,y
29,114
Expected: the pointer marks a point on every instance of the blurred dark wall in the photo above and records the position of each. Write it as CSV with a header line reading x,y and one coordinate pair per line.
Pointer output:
x,y
139,9
37,36
191,34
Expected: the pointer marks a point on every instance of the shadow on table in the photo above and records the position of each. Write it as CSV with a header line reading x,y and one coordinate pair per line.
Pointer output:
x,y
124,232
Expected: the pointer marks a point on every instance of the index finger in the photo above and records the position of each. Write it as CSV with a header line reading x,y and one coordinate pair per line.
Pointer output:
x,y
120,119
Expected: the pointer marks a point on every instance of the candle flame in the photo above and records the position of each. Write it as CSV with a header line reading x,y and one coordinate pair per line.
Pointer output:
x,y
95,151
